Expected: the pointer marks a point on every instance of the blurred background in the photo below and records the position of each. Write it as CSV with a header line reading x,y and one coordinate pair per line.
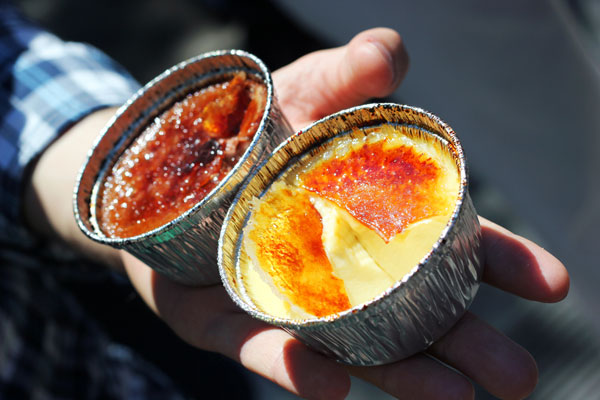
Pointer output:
x,y
518,81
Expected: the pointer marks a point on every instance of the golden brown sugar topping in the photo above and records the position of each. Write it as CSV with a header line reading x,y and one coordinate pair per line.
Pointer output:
x,y
347,221
384,187
286,234
178,159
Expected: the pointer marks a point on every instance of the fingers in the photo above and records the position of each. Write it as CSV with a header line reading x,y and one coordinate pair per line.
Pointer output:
x,y
372,65
275,355
472,348
418,377
265,350
521,267
488,357
223,328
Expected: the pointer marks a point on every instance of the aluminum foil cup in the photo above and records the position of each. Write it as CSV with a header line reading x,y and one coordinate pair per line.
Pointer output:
x,y
184,249
415,311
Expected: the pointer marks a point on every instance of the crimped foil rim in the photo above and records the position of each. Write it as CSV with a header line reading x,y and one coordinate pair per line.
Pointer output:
x,y
140,94
423,267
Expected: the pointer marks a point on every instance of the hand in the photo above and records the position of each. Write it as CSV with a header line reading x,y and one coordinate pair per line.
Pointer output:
x,y
371,65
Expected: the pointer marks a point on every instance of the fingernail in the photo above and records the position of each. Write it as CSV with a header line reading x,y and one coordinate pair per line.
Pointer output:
x,y
388,56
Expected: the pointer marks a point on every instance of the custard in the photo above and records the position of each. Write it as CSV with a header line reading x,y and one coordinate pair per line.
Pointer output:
x,y
347,222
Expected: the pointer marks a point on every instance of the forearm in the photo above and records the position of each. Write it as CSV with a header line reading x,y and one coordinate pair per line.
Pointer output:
x,y
48,198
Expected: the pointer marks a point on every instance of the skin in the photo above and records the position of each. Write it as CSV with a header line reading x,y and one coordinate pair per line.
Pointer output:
x,y
372,65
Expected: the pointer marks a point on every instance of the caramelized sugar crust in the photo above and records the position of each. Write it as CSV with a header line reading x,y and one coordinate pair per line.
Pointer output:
x,y
387,182
384,187
287,237
180,157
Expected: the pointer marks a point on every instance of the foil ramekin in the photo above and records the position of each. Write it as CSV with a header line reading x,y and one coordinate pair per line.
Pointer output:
x,y
414,312
184,249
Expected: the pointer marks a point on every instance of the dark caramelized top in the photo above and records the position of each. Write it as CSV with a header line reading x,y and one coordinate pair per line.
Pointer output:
x,y
178,159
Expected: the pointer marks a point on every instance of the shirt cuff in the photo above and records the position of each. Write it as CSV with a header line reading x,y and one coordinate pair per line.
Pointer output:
x,y
50,85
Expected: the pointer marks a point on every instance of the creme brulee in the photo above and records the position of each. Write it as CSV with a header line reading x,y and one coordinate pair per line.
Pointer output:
x,y
341,227
179,158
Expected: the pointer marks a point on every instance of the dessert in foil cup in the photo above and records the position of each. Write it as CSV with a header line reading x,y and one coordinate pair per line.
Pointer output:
x,y
162,174
358,235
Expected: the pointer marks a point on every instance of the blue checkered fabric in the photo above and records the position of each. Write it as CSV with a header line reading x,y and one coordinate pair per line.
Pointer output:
x,y
50,348
45,86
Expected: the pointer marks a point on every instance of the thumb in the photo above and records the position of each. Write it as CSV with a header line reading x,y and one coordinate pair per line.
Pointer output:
x,y
372,64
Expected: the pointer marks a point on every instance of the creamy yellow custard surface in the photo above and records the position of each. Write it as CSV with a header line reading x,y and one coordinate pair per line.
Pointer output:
x,y
342,226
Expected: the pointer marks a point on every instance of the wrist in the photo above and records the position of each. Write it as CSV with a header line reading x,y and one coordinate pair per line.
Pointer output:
x,y
48,207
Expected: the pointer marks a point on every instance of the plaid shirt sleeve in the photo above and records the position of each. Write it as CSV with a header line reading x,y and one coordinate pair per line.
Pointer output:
x,y
46,85
50,345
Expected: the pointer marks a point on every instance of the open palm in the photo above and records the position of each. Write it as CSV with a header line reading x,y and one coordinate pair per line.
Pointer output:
x,y
372,65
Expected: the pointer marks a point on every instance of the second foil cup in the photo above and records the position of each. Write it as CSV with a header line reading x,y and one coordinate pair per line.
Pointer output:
x,y
184,248
412,311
